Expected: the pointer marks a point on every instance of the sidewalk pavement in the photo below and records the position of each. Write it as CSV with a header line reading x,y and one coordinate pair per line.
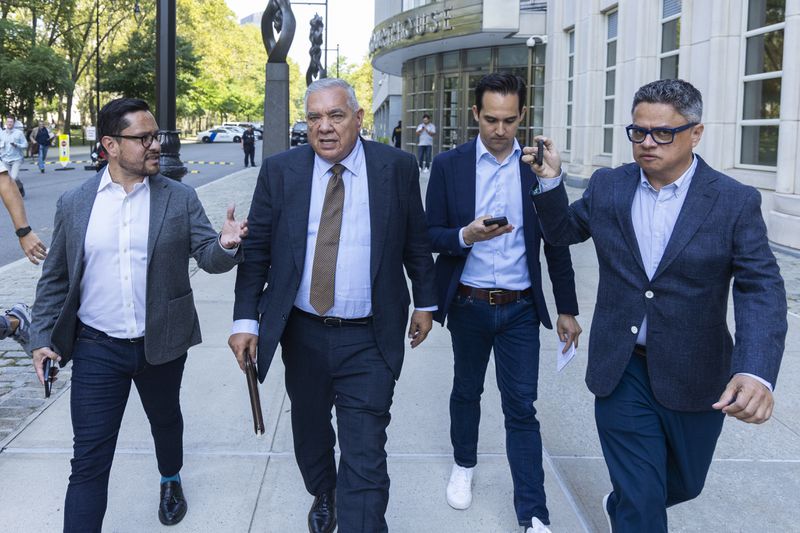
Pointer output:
x,y
236,482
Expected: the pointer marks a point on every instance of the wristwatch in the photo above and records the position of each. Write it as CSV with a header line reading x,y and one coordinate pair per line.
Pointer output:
x,y
21,232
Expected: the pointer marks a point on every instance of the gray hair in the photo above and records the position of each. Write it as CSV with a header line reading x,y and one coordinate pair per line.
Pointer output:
x,y
330,83
680,94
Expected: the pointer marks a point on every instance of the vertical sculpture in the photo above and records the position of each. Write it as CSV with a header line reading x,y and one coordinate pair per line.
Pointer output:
x,y
315,68
278,17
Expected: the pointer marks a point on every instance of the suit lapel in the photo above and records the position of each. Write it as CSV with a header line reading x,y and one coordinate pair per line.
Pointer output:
x,y
297,202
80,220
700,199
464,184
624,191
379,202
159,199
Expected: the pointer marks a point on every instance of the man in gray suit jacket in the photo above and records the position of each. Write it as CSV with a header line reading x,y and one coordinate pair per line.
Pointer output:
x,y
332,226
670,234
115,298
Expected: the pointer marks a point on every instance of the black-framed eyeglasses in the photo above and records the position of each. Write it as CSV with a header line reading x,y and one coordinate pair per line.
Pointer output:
x,y
659,135
147,140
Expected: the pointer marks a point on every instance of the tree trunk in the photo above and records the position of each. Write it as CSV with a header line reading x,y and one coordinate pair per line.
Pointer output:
x,y
68,111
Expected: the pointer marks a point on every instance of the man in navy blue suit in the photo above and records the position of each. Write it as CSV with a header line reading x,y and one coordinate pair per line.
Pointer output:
x,y
670,233
490,289
334,227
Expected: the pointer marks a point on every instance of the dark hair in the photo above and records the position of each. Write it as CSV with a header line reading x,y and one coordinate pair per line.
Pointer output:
x,y
112,117
503,83
10,116
680,94
426,115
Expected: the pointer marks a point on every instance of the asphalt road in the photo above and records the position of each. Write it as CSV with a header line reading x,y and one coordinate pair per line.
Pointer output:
x,y
43,190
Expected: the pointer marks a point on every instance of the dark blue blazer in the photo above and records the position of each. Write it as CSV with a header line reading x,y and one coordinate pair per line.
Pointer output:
x,y
450,205
275,249
719,236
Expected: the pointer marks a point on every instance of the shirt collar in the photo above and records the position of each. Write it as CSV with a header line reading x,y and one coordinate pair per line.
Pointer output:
x,y
483,151
353,162
105,180
679,186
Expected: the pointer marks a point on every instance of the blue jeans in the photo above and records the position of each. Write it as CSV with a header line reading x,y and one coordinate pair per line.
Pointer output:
x,y
656,457
43,154
424,156
512,331
102,372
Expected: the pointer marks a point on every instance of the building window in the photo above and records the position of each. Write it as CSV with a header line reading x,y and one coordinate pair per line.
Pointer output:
x,y
611,79
570,86
419,81
670,38
762,67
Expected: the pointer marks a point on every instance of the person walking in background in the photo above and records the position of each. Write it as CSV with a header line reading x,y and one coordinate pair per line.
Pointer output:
x,y
115,299
490,291
397,134
671,233
425,132
333,224
43,138
12,150
249,145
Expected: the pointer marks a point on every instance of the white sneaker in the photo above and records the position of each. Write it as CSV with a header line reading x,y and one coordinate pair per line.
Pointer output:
x,y
537,527
459,488
605,512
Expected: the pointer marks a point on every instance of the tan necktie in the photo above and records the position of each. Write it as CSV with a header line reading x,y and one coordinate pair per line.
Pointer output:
x,y
323,272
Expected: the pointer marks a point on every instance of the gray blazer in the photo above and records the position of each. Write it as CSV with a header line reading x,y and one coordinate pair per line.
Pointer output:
x,y
719,236
179,229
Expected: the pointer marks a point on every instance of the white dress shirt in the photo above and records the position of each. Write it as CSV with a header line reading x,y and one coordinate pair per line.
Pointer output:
x,y
500,262
114,281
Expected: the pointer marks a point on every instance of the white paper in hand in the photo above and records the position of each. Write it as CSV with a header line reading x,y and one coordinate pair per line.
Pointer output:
x,y
564,358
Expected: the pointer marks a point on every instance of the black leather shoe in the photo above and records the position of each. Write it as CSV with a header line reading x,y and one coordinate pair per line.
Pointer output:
x,y
322,516
173,505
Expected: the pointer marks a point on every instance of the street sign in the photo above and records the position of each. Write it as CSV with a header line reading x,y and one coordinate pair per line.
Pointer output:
x,y
91,133
63,149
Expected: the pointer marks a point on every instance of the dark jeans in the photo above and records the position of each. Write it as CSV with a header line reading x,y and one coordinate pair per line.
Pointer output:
x,y
102,372
512,331
43,154
341,367
250,152
424,156
656,457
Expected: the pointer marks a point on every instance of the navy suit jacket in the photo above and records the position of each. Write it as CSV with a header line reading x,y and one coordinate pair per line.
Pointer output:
x,y
719,235
275,249
450,205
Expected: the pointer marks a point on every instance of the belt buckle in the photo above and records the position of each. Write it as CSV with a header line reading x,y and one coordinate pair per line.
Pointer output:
x,y
492,294
332,321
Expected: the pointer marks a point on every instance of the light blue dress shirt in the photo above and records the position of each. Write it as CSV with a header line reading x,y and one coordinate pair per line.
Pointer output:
x,y
500,262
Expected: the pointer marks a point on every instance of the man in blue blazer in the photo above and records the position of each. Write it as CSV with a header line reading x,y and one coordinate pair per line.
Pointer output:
x,y
490,289
670,233
332,225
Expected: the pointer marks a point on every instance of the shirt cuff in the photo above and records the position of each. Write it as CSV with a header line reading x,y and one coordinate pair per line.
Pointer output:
x,y
429,309
245,326
230,251
461,239
548,184
764,382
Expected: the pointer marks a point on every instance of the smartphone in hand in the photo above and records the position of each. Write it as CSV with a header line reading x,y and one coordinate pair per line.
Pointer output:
x,y
500,221
539,152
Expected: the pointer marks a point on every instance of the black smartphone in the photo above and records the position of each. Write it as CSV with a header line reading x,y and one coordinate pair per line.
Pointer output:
x,y
48,382
539,152
500,221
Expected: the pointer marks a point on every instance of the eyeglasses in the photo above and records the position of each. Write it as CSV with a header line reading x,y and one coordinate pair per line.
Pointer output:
x,y
147,140
659,135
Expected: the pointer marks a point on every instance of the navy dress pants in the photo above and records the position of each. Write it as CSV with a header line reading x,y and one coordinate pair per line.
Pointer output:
x,y
102,372
512,331
656,457
340,367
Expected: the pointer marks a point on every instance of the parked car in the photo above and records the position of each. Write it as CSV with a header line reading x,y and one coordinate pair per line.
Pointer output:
x,y
243,126
219,135
299,133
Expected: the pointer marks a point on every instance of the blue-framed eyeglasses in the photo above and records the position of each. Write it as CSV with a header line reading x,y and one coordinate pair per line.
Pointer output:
x,y
660,135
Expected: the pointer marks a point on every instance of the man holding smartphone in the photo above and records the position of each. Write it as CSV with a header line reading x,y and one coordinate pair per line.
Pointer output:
x,y
490,290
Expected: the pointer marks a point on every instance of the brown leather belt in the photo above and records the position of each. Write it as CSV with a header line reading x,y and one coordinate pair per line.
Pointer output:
x,y
640,350
333,321
493,296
